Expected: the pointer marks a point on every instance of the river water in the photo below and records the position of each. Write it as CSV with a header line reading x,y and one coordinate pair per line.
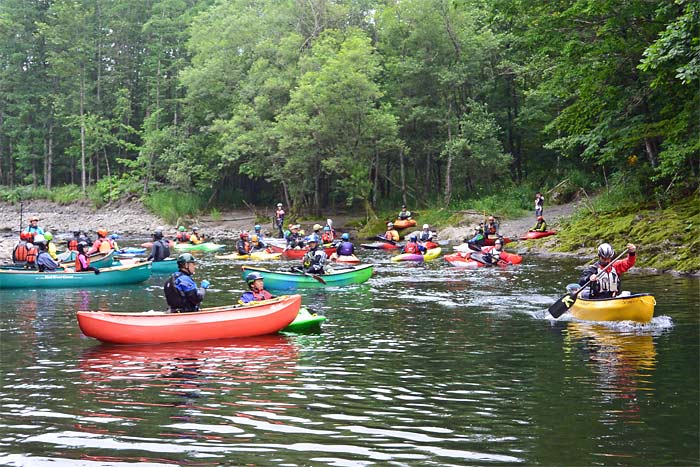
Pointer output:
x,y
421,366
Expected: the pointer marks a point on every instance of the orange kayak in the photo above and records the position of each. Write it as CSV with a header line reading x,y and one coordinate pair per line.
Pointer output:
x,y
255,319
404,224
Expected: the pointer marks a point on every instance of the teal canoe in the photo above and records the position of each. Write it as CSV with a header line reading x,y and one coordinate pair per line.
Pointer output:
x,y
117,275
278,280
305,322
206,246
167,266
98,260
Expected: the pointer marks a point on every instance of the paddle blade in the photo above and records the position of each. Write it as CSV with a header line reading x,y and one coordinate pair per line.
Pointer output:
x,y
562,305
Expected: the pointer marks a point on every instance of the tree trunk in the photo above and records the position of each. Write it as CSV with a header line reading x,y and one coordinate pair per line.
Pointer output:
x,y
448,169
317,180
83,174
376,179
48,178
651,150
403,177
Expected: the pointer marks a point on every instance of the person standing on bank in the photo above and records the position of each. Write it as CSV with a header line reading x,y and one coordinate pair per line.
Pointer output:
x,y
539,204
181,292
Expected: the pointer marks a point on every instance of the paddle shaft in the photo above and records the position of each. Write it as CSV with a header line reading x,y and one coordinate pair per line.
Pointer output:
x,y
556,309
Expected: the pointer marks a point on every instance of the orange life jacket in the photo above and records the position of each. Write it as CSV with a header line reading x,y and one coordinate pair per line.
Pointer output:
x,y
19,254
32,253
78,264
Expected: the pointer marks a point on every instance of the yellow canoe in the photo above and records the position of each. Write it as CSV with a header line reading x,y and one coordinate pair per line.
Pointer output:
x,y
638,307
255,256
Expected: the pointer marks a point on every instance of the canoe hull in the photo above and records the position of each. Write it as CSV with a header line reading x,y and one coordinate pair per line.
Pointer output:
x,y
292,281
380,246
99,261
257,319
298,254
428,256
254,256
167,266
118,275
344,259
638,307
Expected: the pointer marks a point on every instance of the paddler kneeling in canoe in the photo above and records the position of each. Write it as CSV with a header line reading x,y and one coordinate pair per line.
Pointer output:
x,y
181,292
314,259
257,292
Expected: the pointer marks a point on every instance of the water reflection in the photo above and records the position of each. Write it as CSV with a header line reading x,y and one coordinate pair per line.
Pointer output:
x,y
623,362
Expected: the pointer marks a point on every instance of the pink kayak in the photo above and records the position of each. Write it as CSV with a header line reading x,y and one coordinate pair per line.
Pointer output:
x,y
535,235
381,246
344,259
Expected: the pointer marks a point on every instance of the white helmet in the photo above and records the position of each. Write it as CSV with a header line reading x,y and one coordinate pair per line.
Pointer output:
x,y
426,226
606,251
39,238
279,205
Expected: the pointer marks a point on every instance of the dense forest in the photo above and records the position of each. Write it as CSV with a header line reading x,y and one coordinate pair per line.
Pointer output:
x,y
321,103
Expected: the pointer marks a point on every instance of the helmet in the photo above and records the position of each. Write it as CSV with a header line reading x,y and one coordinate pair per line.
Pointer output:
x,y
540,218
295,227
390,224
252,277
181,228
195,229
317,227
243,234
498,242
158,234
114,237
313,238
606,251
82,245
25,236
346,236
185,258
413,238
257,228
102,232
39,239
253,238
491,218
327,229
403,206
33,218
279,205
426,226
48,236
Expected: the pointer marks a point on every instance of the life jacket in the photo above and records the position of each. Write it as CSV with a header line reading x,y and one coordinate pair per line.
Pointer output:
x,y
182,237
345,249
19,254
260,296
173,296
73,245
78,264
389,235
412,248
279,214
491,228
608,280
327,237
32,254
243,245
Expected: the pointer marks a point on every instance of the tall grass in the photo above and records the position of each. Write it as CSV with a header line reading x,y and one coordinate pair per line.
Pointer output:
x,y
65,194
173,205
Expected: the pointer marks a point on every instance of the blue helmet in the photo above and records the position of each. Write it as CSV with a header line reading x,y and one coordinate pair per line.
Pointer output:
x,y
327,229
413,238
313,238
345,236
257,228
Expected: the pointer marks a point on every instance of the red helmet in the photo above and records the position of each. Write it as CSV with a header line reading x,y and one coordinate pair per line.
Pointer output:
x,y
25,236
540,218
243,235
102,232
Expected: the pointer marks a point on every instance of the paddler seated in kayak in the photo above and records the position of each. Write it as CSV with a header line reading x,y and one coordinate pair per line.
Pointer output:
x,y
404,214
541,225
494,255
82,261
257,230
315,258
44,262
295,239
426,235
257,292
102,244
182,236
391,234
256,244
478,240
181,292
491,227
160,249
606,283
243,246
345,247
327,236
413,247
196,237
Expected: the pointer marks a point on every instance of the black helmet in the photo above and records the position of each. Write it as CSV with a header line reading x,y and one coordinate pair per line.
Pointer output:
x,y
252,277
158,234
184,259
82,245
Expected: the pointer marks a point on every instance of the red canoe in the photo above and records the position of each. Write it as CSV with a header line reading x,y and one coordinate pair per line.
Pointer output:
x,y
297,254
404,224
210,323
535,235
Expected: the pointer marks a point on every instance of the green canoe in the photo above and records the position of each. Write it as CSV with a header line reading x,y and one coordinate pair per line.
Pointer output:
x,y
98,260
293,280
118,275
206,246
305,322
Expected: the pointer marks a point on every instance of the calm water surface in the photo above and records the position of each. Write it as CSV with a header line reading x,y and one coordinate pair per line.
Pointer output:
x,y
421,366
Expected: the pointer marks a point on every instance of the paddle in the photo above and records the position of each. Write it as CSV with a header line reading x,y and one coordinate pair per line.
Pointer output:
x,y
314,276
562,305
479,258
380,237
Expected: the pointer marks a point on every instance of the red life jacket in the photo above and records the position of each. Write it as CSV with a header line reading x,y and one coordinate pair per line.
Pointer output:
x,y
259,296
182,237
19,255
79,265
32,253
73,245
411,248
327,237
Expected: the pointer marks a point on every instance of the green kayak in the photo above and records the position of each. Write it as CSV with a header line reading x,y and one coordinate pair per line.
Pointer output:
x,y
206,246
118,275
305,322
279,280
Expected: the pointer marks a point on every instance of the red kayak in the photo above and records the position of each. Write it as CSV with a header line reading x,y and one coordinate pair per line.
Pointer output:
x,y
381,246
490,241
250,320
297,254
344,259
404,224
150,244
430,245
535,235
473,260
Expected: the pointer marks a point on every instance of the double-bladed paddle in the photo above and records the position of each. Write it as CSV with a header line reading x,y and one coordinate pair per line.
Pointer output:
x,y
298,270
562,305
